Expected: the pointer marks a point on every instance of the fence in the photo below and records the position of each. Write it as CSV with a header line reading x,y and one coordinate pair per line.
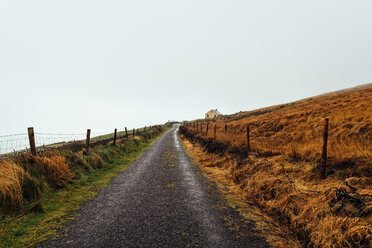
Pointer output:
x,y
310,144
15,144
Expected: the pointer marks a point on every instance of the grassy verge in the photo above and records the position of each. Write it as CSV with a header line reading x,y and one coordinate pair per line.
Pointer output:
x,y
265,225
39,219
308,211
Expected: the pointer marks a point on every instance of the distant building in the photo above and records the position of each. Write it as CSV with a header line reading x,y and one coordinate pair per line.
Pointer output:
x,y
213,113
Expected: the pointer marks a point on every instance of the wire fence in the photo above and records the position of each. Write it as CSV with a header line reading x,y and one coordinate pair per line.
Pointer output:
x,y
14,144
346,140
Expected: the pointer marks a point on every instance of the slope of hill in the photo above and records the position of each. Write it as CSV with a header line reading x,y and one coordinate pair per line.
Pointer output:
x,y
295,129
281,173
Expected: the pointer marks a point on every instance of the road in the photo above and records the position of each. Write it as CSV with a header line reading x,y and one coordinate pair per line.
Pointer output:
x,y
161,200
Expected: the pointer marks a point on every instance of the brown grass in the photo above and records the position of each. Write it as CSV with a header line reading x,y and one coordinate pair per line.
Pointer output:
x,y
281,175
24,181
55,170
25,178
95,161
11,176
287,192
295,129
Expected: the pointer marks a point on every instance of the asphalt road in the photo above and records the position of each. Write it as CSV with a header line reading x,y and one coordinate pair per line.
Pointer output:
x,y
162,200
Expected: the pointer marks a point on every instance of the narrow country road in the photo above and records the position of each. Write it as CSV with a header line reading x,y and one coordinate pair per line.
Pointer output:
x,y
161,200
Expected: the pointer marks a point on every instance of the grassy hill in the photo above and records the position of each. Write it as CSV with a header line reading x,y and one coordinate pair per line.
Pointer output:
x,y
281,173
295,129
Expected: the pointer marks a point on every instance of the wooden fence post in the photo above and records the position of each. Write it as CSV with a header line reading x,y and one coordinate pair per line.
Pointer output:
x,y
215,129
115,133
248,140
134,131
324,151
88,139
126,132
201,128
31,137
225,129
206,132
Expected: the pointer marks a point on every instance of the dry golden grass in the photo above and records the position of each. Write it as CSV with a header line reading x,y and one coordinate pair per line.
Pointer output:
x,y
11,176
54,169
287,192
95,161
295,129
26,178
219,168
19,182
286,184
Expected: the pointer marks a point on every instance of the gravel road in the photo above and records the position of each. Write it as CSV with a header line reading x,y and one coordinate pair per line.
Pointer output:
x,y
161,200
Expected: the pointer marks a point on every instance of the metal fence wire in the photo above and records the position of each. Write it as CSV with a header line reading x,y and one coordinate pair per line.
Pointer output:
x,y
14,144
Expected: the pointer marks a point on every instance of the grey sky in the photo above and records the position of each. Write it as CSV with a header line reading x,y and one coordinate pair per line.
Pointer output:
x,y
66,66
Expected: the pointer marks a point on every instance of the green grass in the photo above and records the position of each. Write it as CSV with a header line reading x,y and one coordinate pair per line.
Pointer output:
x,y
56,206
119,134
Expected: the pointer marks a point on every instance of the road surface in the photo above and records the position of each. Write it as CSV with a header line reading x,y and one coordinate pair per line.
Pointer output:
x,y
161,200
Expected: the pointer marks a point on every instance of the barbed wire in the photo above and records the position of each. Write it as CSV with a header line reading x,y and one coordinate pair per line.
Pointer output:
x,y
12,135
61,134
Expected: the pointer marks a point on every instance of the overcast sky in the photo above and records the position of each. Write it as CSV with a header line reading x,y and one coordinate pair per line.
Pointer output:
x,y
69,65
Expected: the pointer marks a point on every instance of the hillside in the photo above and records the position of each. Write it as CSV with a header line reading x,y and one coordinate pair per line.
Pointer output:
x,y
281,172
295,129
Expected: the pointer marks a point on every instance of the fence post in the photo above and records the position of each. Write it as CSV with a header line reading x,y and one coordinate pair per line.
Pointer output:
x,y
126,132
206,132
88,139
133,132
324,151
201,128
248,140
31,137
215,129
225,129
115,132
